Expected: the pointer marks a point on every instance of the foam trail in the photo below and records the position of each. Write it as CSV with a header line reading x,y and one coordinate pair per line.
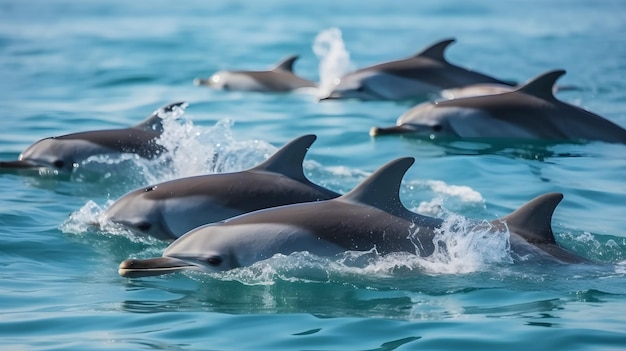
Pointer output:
x,y
334,59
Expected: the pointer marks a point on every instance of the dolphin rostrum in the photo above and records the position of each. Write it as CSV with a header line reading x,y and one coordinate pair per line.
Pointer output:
x,y
528,112
170,209
370,216
278,79
425,73
64,153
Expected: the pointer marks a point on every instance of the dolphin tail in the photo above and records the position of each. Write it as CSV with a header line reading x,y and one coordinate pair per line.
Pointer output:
x,y
378,131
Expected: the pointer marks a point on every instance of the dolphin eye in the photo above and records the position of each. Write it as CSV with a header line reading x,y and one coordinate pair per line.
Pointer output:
x,y
150,188
59,164
437,128
214,261
144,226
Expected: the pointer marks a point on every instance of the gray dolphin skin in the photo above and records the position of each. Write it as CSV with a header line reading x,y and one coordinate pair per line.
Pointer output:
x,y
427,72
278,79
371,216
528,112
170,209
64,153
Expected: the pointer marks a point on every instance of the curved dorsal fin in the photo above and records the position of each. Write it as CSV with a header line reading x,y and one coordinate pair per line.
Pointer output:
x,y
288,159
286,64
542,85
436,51
382,188
154,122
533,221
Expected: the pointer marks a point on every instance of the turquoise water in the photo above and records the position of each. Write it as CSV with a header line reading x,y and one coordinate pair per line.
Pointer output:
x,y
69,66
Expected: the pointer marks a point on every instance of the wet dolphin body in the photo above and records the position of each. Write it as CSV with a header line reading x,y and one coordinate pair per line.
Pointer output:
x,y
370,216
170,209
529,112
278,79
418,76
64,152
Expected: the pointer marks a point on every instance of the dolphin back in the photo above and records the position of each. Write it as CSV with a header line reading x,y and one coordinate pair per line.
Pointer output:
x,y
288,162
533,223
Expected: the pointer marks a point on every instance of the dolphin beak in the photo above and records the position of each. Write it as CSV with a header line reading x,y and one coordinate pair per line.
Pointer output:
x,y
378,131
133,268
329,97
17,164
199,82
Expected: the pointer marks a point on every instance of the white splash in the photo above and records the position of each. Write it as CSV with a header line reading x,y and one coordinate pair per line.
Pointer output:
x,y
90,219
191,150
465,246
334,59
462,246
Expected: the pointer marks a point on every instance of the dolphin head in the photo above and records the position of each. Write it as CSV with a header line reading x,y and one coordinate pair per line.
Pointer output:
x,y
141,214
53,153
424,120
218,80
356,85
210,248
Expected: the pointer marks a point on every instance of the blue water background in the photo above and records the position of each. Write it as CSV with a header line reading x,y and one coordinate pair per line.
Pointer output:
x,y
69,66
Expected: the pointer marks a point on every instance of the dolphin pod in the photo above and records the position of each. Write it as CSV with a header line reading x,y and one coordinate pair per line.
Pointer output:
x,y
278,79
427,72
63,153
371,216
168,210
528,112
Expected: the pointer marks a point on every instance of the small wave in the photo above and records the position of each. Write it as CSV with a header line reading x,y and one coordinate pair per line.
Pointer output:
x,y
600,248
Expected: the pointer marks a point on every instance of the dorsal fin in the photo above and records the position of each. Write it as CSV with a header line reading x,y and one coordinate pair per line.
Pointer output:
x,y
382,188
533,221
154,122
286,64
542,85
288,159
437,50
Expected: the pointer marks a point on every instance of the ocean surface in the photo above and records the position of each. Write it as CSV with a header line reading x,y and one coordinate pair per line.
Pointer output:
x,y
69,66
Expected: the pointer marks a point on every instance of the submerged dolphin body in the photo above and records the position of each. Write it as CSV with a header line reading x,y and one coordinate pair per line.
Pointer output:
x,y
528,112
371,216
278,79
418,76
63,153
170,209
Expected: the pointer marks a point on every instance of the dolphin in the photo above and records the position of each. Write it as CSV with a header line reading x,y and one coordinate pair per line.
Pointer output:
x,y
278,79
427,72
64,153
371,216
528,112
168,210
